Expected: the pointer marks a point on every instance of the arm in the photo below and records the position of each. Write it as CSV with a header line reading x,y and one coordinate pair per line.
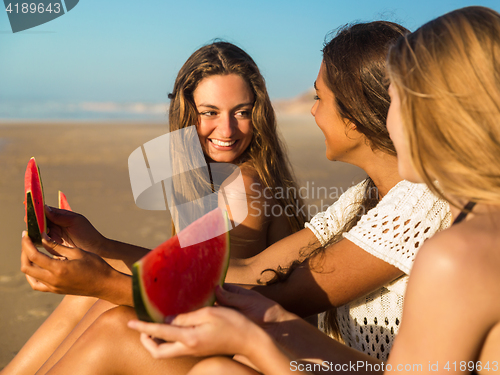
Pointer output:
x,y
345,273
215,331
223,331
293,247
72,229
300,340
281,253
242,196
274,340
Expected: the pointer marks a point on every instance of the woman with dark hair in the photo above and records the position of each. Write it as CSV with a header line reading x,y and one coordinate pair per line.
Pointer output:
x,y
445,73
368,240
221,91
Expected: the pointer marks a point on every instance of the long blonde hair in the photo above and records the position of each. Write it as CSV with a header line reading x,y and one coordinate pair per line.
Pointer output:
x,y
447,74
265,153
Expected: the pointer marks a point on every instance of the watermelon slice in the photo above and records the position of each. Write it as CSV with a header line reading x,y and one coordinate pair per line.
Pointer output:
x,y
36,222
63,202
172,280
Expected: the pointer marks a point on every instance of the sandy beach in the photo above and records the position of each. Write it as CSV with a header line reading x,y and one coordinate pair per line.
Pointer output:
x,y
88,162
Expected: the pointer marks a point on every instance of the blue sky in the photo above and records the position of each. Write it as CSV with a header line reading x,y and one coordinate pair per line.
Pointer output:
x,y
130,51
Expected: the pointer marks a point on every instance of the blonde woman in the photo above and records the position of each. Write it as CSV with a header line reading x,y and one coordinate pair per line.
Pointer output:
x,y
221,91
443,119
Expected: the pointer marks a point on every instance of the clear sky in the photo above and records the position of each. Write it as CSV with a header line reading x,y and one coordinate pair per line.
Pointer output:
x,y
130,51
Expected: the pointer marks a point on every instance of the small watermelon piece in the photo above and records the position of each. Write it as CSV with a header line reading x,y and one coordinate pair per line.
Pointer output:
x,y
172,280
63,202
36,222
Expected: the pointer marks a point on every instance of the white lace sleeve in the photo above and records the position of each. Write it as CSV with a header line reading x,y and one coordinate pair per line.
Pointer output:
x,y
395,229
326,224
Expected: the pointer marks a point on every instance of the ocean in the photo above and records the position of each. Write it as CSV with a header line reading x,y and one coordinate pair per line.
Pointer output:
x,y
17,110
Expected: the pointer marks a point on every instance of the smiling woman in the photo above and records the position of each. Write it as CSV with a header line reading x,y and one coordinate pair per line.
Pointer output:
x,y
221,91
225,105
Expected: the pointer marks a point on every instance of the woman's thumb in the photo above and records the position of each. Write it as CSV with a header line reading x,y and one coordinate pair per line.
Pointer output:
x,y
59,217
229,297
55,248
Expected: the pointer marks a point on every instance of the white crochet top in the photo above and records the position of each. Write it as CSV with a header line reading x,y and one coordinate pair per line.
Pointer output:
x,y
393,231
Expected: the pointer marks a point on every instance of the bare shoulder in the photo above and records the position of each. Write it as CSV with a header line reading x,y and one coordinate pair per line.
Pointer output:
x,y
454,291
473,246
251,178
463,261
249,184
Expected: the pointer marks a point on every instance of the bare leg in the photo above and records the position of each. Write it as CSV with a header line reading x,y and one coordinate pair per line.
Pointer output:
x,y
221,366
108,346
49,335
95,311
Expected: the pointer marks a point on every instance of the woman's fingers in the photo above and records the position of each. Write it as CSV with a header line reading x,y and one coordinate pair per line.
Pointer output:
x,y
60,217
233,288
30,255
59,250
37,285
32,262
232,295
152,329
32,271
164,350
163,331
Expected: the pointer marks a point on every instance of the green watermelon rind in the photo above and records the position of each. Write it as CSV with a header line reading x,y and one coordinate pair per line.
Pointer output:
x,y
228,255
32,221
145,311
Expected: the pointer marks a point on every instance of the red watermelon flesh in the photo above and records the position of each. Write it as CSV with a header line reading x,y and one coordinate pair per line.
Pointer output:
x,y
34,202
63,202
171,279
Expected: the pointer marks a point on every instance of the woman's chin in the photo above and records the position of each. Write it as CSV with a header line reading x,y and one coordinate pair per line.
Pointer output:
x,y
223,158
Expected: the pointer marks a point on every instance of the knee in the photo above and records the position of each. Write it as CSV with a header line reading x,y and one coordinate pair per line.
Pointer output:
x,y
213,365
109,328
216,365
115,319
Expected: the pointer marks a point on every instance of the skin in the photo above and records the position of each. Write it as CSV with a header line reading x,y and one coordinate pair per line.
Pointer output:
x,y
348,271
102,270
464,262
343,141
454,327
200,333
225,104
396,132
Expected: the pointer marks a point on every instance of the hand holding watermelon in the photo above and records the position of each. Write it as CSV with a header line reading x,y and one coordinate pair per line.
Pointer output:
x,y
72,229
205,332
77,272
253,305
215,330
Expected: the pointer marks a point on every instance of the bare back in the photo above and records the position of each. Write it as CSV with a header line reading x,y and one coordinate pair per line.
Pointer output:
x,y
452,307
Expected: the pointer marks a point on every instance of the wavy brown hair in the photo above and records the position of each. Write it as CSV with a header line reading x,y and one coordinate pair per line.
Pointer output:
x,y
265,154
447,74
354,61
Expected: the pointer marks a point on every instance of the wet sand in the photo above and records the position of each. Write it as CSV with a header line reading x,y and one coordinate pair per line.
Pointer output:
x,y
88,162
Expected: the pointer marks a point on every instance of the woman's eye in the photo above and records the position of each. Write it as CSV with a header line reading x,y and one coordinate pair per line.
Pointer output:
x,y
244,114
208,113
316,97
